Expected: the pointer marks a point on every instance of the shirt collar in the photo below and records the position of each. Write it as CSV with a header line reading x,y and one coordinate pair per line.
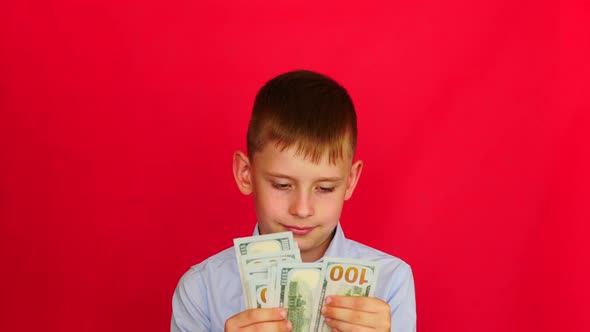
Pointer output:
x,y
336,245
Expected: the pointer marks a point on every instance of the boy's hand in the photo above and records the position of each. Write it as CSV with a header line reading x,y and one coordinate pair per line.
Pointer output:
x,y
348,313
273,319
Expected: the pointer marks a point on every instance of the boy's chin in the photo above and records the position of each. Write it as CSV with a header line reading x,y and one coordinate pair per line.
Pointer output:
x,y
302,243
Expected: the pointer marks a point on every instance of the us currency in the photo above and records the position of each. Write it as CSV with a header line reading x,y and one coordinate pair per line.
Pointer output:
x,y
264,243
347,277
259,293
297,286
260,285
253,260
258,271
275,242
261,266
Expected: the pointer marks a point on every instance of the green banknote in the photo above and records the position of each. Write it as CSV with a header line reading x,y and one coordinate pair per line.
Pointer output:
x,y
347,277
252,245
296,289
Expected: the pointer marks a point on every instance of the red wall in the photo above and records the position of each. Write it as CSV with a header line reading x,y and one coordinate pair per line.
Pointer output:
x,y
118,121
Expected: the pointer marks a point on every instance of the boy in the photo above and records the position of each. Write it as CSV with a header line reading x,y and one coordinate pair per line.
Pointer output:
x,y
301,143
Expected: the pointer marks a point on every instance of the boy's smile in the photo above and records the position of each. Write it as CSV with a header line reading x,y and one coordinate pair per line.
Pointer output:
x,y
299,230
292,193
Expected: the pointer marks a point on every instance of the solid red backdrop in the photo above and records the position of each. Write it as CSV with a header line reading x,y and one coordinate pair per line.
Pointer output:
x,y
118,121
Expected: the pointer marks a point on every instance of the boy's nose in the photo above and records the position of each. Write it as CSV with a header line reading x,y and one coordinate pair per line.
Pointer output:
x,y
301,206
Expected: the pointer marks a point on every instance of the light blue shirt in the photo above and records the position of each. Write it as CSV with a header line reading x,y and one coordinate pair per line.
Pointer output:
x,y
211,292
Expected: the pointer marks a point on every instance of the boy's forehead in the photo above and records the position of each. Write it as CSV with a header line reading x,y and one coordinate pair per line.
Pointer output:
x,y
274,158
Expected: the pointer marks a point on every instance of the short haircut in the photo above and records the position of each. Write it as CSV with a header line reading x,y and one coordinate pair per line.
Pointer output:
x,y
305,109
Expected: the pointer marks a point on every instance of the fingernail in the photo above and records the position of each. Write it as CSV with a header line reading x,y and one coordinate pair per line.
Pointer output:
x,y
328,300
328,320
289,325
283,313
324,309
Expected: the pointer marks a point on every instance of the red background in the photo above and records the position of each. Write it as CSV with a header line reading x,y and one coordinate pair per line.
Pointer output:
x,y
118,121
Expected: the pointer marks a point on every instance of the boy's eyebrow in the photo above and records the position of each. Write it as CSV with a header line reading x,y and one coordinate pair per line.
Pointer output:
x,y
326,179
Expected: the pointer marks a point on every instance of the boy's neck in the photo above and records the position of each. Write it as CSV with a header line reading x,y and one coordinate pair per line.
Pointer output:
x,y
311,257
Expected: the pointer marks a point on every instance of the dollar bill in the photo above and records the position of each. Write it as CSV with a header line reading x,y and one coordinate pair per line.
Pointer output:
x,y
297,287
249,261
260,293
258,271
347,277
269,243
260,287
261,265
264,243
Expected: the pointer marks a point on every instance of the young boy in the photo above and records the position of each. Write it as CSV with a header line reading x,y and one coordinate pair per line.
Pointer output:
x,y
301,143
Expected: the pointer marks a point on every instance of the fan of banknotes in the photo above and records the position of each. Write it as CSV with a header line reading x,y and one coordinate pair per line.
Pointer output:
x,y
273,275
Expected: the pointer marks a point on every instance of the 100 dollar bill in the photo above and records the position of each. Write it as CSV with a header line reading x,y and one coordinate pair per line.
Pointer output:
x,y
260,286
346,277
262,259
270,243
264,243
297,287
260,293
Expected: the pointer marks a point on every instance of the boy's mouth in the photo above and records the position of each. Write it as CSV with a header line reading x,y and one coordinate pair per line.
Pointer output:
x,y
296,230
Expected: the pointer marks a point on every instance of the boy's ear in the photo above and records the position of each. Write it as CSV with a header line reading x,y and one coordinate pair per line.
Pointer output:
x,y
242,172
353,178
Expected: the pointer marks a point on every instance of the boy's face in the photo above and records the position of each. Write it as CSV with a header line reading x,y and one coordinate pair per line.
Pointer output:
x,y
294,194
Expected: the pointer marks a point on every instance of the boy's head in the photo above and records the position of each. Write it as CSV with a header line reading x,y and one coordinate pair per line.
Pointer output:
x,y
301,144
307,111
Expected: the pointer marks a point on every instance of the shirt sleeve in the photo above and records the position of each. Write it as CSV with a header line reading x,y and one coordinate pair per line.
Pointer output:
x,y
402,300
189,304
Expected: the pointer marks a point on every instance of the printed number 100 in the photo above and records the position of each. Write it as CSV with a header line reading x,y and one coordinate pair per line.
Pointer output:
x,y
351,274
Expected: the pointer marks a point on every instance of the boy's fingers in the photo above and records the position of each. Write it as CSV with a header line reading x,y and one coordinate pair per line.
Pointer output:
x,y
337,325
344,315
360,303
277,326
362,312
255,316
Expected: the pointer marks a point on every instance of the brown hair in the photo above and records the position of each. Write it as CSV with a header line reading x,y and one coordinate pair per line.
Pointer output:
x,y
304,108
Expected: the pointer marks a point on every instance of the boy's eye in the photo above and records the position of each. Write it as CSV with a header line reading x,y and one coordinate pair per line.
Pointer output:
x,y
281,185
326,189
